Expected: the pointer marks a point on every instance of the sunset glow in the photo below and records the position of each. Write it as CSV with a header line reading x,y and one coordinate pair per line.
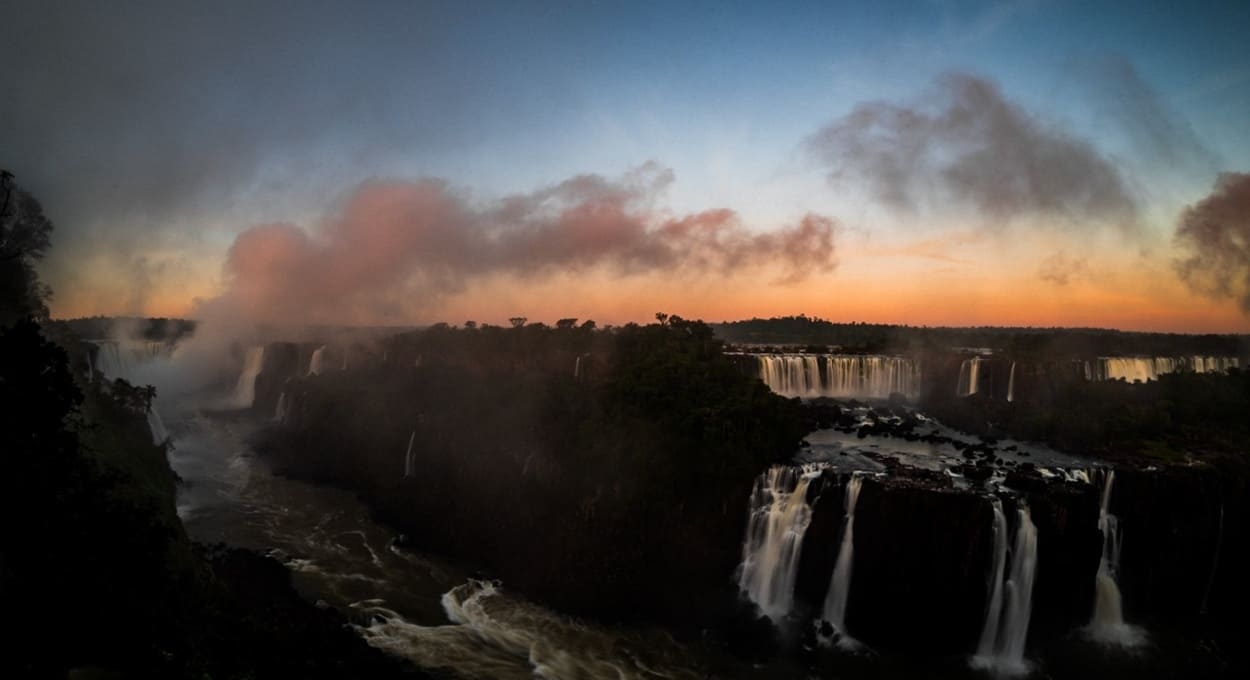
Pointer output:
x,y
957,186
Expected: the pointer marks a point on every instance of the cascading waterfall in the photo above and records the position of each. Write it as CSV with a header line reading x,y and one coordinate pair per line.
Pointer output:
x,y
316,363
993,613
1209,364
1107,624
1011,383
113,364
577,367
791,375
969,377
157,426
245,388
838,375
279,413
409,459
1145,369
840,582
1002,650
1215,563
779,517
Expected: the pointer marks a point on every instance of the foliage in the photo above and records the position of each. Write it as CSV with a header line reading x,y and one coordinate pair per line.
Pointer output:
x,y
1019,342
25,235
605,472
95,568
1193,413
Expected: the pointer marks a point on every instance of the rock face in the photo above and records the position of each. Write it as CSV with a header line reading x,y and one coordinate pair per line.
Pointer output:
x,y
619,495
282,361
920,568
519,469
922,549
1184,535
922,555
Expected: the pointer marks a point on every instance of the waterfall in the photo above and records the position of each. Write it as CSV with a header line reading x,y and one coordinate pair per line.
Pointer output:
x,y
316,363
157,426
1215,563
840,583
409,460
1107,623
993,613
113,364
1209,364
969,377
577,367
1006,628
1011,383
245,388
838,375
1145,369
279,413
779,516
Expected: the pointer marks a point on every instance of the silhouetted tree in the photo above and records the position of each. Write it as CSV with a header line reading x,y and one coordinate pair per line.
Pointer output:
x,y
25,234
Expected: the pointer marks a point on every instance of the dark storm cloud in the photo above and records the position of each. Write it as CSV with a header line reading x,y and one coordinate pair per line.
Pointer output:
x,y
1215,233
395,246
965,143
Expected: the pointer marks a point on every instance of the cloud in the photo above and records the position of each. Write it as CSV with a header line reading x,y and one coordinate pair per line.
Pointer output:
x,y
1215,233
396,246
1061,270
149,123
1157,134
964,143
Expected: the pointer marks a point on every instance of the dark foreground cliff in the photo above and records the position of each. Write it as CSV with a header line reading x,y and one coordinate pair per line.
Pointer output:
x,y
602,473
607,474
96,573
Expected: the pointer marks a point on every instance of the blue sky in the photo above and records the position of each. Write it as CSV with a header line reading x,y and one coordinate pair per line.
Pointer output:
x,y
171,127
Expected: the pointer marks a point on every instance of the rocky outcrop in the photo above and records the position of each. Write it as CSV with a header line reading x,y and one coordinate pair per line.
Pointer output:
x,y
282,361
922,556
1184,534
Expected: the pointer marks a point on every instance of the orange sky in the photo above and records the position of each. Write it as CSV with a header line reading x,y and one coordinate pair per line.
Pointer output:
x,y
955,278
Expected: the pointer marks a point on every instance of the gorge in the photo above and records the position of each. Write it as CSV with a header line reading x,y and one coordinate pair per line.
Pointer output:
x,y
473,502
1018,542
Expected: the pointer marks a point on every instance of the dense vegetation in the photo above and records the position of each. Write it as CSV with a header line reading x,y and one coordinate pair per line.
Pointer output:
x,y
96,573
1179,415
619,492
1025,343
160,330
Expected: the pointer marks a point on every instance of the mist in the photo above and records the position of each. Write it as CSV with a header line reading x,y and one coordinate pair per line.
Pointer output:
x,y
1215,235
964,143
394,247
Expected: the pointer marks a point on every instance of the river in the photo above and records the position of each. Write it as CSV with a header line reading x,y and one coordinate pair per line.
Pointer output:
x,y
413,605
